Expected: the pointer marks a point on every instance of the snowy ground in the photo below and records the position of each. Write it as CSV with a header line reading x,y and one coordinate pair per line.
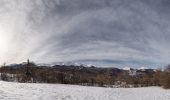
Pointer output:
x,y
21,91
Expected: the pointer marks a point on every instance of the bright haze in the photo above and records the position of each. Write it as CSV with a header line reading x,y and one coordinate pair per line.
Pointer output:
x,y
100,32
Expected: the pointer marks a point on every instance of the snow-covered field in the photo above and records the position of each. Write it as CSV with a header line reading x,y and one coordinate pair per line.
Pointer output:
x,y
21,91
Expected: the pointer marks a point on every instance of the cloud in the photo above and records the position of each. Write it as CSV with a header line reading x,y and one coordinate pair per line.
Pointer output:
x,y
107,33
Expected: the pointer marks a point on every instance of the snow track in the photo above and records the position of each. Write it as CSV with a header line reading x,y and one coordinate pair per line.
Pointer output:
x,y
22,91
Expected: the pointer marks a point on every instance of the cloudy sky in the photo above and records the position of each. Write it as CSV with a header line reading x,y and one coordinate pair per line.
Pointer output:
x,y
100,32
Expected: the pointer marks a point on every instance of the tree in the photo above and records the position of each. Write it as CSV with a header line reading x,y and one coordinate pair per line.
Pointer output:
x,y
165,78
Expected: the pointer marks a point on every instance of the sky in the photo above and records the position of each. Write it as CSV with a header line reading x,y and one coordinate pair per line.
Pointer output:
x,y
106,33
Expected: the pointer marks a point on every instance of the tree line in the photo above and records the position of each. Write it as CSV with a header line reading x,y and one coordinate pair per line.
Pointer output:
x,y
88,76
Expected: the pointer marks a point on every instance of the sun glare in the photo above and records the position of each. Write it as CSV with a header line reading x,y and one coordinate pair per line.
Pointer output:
x,y
3,41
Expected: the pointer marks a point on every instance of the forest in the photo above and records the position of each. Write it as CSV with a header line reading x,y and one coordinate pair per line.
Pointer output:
x,y
87,76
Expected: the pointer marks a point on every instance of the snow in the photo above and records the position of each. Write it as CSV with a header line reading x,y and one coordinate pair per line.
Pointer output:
x,y
143,68
126,68
31,91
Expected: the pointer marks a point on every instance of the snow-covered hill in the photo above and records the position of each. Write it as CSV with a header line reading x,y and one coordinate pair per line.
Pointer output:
x,y
23,91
